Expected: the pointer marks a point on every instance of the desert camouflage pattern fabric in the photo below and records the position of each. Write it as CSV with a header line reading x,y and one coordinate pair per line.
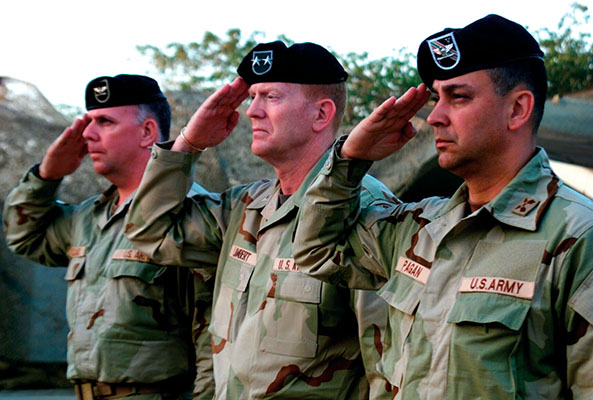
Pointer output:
x,y
494,304
129,317
276,333
202,315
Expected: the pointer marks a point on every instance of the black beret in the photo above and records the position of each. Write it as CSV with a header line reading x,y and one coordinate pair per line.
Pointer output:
x,y
305,63
489,42
121,90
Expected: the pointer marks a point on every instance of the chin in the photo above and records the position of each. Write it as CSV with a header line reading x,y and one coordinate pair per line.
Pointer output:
x,y
258,150
100,168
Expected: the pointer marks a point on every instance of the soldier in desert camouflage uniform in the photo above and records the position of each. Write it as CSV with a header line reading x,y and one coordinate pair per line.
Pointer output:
x,y
277,333
491,291
129,317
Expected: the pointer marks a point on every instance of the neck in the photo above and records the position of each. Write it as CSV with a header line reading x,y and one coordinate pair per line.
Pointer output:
x,y
486,184
128,182
291,172
291,178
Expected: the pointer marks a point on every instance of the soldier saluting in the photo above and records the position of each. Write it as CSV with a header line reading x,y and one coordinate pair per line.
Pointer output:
x,y
277,333
130,332
490,291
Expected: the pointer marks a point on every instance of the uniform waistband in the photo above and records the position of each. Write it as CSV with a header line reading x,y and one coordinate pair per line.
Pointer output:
x,y
94,390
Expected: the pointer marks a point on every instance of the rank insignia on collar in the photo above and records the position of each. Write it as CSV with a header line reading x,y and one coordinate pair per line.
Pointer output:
x,y
525,206
444,50
261,61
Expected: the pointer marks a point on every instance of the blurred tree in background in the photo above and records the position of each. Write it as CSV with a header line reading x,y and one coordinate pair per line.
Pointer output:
x,y
209,64
212,62
568,53
372,81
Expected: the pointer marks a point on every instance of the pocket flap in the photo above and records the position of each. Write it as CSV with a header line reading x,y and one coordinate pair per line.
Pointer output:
x,y
237,277
487,308
402,292
135,269
75,268
295,286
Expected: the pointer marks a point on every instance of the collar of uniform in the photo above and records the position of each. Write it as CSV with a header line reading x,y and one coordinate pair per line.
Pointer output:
x,y
263,198
103,205
262,195
523,201
269,198
107,195
460,196
298,197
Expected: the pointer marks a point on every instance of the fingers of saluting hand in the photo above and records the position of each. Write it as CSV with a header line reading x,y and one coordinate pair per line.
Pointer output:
x,y
406,106
240,90
230,96
72,136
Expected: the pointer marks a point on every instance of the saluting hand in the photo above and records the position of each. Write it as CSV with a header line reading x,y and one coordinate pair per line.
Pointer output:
x,y
215,119
388,127
66,153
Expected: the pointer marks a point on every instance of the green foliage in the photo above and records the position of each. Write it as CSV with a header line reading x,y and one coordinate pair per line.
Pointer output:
x,y
209,64
212,62
373,81
205,65
568,53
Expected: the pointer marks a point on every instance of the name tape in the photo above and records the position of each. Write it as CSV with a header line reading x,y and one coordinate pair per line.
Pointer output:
x,y
412,269
509,287
243,255
131,254
76,252
285,264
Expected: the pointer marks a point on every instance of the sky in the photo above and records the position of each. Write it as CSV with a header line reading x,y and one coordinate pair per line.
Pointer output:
x,y
60,45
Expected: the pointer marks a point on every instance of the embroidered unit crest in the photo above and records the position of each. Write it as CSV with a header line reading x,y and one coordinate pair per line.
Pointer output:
x,y
444,51
262,61
102,92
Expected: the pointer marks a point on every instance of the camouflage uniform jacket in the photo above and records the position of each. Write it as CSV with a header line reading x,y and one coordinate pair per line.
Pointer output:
x,y
277,333
128,317
494,304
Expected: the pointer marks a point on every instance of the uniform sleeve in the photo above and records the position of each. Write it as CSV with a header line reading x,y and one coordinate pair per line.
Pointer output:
x,y
170,223
371,315
579,318
335,239
203,289
36,225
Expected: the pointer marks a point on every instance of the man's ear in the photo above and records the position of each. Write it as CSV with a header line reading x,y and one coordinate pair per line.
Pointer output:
x,y
325,114
522,104
150,133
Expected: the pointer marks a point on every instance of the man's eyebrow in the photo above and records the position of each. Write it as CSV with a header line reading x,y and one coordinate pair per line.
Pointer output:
x,y
454,86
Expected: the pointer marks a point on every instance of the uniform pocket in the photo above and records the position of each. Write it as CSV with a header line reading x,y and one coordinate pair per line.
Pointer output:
x,y
73,275
485,337
133,301
491,308
291,314
231,302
